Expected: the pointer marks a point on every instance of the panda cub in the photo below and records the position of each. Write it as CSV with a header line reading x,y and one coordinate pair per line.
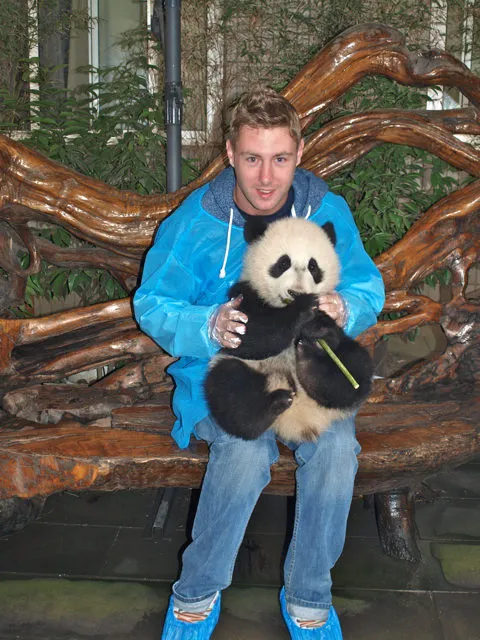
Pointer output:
x,y
279,377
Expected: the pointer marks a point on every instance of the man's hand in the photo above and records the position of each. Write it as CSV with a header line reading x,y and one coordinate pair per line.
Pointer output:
x,y
334,305
226,323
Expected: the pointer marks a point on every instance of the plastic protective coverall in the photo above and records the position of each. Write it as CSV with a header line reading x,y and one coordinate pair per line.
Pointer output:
x,y
197,256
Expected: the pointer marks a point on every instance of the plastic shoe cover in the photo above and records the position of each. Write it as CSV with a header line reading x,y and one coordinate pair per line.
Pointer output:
x,y
329,631
174,629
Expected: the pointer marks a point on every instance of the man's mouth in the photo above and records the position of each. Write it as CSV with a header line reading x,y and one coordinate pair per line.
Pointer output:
x,y
265,193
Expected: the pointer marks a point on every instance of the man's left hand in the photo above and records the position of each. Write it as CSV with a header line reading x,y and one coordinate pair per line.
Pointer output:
x,y
334,305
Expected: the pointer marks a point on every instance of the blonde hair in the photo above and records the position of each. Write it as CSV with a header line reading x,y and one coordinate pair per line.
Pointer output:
x,y
263,107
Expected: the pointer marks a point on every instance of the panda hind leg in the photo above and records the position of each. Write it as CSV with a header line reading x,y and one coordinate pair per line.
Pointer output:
x,y
239,400
324,381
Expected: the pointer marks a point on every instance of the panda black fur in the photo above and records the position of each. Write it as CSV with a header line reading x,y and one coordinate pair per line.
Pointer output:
x,y
279,377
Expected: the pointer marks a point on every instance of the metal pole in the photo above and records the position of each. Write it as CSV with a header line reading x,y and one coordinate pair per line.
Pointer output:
x,y
173,94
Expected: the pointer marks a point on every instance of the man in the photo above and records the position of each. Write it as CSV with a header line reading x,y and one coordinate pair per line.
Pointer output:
x,y
182,304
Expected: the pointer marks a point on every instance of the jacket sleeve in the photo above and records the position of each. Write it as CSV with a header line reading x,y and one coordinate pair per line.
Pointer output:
x,y
361,284
164,304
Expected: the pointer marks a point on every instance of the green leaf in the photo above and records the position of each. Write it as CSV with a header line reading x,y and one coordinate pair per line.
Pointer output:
x,y
61,237
72,280
59,284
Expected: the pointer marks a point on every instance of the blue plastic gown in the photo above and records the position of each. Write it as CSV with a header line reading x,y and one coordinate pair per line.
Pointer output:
x,y
182,284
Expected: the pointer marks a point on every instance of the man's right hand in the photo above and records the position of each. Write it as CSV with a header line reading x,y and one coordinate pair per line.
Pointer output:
x,y
227,323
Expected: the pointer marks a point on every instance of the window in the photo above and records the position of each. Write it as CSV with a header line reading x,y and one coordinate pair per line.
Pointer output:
x,y
68,41
455,29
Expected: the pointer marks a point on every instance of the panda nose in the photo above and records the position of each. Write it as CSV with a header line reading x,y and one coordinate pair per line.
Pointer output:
x,y
293,294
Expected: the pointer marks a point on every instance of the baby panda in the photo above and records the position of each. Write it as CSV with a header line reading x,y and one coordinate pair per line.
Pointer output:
x,y
280,378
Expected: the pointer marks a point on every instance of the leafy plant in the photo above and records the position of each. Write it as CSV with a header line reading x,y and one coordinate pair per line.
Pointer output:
x,y
52,282
120,143
391,186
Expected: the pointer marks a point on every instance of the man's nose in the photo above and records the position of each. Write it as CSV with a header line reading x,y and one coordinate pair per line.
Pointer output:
x,y
265,173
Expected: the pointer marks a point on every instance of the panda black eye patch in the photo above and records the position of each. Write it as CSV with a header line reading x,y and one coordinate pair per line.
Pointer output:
x,y
281,265
317,273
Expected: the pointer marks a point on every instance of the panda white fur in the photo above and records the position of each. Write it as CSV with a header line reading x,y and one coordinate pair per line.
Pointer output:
x,y
279,377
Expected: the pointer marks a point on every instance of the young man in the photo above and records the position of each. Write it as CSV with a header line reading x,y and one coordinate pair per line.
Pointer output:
x,y
182,304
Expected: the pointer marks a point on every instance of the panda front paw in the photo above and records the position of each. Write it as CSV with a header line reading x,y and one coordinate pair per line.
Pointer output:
x,y
305,302
304,310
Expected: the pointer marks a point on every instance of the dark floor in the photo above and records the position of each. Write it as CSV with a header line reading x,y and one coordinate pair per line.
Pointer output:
x,y
90,568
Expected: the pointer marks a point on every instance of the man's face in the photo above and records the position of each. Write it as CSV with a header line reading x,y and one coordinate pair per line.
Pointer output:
x,y
264,161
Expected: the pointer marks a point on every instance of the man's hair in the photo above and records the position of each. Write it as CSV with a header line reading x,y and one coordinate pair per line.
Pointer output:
x,y
263,107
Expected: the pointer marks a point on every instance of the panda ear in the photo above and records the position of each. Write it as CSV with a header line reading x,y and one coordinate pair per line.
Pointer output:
x,y
254,228
330,231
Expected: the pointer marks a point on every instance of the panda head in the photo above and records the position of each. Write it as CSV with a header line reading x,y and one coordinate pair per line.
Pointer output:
x,y
288,257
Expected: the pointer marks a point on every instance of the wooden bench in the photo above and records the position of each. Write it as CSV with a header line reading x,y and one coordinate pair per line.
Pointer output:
x,y
114,433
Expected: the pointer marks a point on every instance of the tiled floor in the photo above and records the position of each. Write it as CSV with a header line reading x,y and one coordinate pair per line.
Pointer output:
x,y
89,568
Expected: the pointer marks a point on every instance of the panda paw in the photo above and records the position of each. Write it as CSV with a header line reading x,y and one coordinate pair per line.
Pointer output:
x,y
305,303
305,310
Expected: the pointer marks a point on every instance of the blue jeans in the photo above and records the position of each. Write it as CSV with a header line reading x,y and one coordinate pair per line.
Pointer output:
x,y
237,472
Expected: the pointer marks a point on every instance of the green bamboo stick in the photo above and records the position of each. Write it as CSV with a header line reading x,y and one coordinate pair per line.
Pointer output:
x,y
339,363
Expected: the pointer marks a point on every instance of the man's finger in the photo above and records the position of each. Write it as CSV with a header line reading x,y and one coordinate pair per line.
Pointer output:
x,y
236,327
231,340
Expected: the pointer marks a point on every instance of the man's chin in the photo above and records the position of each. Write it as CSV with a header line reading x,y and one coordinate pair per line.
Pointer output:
x,y
263,208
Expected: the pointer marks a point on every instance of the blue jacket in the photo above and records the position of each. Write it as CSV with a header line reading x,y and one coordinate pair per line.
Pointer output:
x,y
197,256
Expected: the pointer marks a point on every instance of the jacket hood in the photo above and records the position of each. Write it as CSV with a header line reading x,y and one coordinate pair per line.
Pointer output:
x,y
309,191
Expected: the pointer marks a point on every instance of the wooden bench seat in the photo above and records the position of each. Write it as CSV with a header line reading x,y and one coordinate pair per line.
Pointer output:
x,y
412,439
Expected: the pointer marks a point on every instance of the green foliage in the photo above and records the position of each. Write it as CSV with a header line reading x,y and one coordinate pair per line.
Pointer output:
x,y
120,142
52,282
109,130
24,24
388,189
392,185
384,190
271,40
443,278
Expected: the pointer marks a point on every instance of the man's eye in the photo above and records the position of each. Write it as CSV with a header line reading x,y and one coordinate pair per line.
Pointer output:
x,y
281,159
251,159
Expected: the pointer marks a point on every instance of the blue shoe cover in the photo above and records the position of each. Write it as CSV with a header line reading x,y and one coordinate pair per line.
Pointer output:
x,y
329,631
174,629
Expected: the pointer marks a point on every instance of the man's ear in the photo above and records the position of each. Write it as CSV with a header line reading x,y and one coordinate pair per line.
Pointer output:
x,y
230,152
254,228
